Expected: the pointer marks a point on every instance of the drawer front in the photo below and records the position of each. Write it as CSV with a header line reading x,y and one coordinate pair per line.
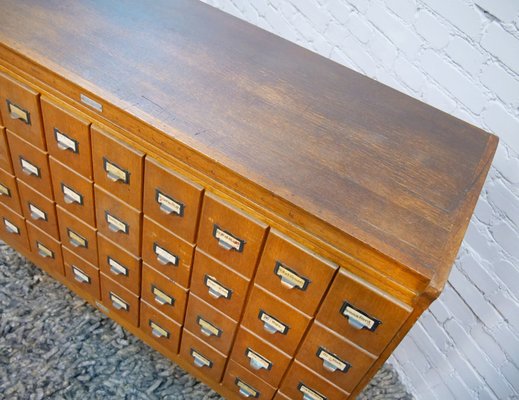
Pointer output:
x,y
77,236
9,192
81,273
196,352
68,137
118,221
334,358
281,396
73,192
246,384
30,164
361,313
171,199
20,108
39,210
119,300
14,231
118,168
5,157
210,325
274,320
119,265
230,235
166,252
162,330
164,294
218,285
301,383
294,273
46,249
259,357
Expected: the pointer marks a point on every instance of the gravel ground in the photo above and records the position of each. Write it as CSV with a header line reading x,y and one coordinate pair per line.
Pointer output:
x,y
53,345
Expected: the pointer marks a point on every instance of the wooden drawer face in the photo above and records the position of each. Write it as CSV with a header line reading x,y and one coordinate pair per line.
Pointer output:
x,y
281,396
166,252
209,324
246,384
9,192
164,294
118,168
362,313
73,192
20,108
118,221
162,330
77,236
30,164
81,273
301,383
68,137
39,210
294,273
13,228
46,249
171,199
274,320
5,157
218,285
259,357
196,352
119,300
334,358
119,265
230,235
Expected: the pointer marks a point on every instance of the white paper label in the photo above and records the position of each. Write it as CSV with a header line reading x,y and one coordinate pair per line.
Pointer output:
x,y
26,165
333,360
259,359
121,226
11,227
66,141
91,103
118,267
228,239
37,212
4,190
211,283
273,322
81,241
165,254
208,327
350,312
169,203
201,358
119,302
80,274
72,194
311,393
46,252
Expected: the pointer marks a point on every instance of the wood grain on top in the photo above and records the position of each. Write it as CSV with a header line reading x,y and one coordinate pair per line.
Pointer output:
x,y
392,172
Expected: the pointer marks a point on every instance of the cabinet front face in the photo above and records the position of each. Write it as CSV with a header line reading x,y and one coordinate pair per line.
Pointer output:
x,y
45,248
161,329
81,273
39,210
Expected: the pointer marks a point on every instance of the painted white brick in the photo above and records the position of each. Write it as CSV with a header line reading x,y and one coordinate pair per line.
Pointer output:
x,y
501,83
435,331
477,239
505,10
436,97
405,9
484,212
507,237
508,307
503,124
458,388
508,273
478,274
502,198
431,29
503,45
458,307
507,166
382,49
440,311
389,79
510,342
361,5
409,74
339,9
466,55
355,51
463,368
314,13
511,373
359,27
464,16
488,344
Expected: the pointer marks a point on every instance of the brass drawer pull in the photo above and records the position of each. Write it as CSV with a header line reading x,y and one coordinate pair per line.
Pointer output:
x,y
257,361
36,213
208,329
80,276
168,205
310,394
246,390
17,112
66,143
165,257
115,224
271,324
76,240
216,289
332,362
359,319
161,297
116,267
4,190
118,303
29,169
199,360
227,240
289,278
10,227
44,251
115,173
157,330
70,196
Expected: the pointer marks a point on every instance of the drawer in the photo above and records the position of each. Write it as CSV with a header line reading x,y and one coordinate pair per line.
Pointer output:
x,y
246,384
230,235
81,273
118,221
68,137
218,285
30,164
20,108
73,192
46,249
294,273
14,231
119,265
259,357
171,199
301,383
77,236
160,329
5,157
118,168
166,252
361,312
210,325
281,396
198,353
274,320
164,294
333,357
38,210
119,300
9,192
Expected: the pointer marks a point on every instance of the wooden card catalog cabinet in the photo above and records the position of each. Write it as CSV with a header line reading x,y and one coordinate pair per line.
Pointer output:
x,y
271,221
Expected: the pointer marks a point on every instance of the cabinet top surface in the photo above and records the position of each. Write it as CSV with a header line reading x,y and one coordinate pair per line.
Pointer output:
x,y
389,170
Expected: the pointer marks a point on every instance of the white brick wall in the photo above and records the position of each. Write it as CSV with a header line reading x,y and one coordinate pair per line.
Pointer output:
x,y
461,56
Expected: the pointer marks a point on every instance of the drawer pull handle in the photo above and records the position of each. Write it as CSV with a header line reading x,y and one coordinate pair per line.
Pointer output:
x,y
310,394
215,289
332,362
29,169
71,196
257,361
79,275
271,324
69,200
289,278
76,240
157,330
161,297
200,361
246,390
4,191
118,303
168,205
36,213
65,142
10,227
116,268
164,257
115,224
359,319
227,240
17,112
115,173
44,251
208,329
